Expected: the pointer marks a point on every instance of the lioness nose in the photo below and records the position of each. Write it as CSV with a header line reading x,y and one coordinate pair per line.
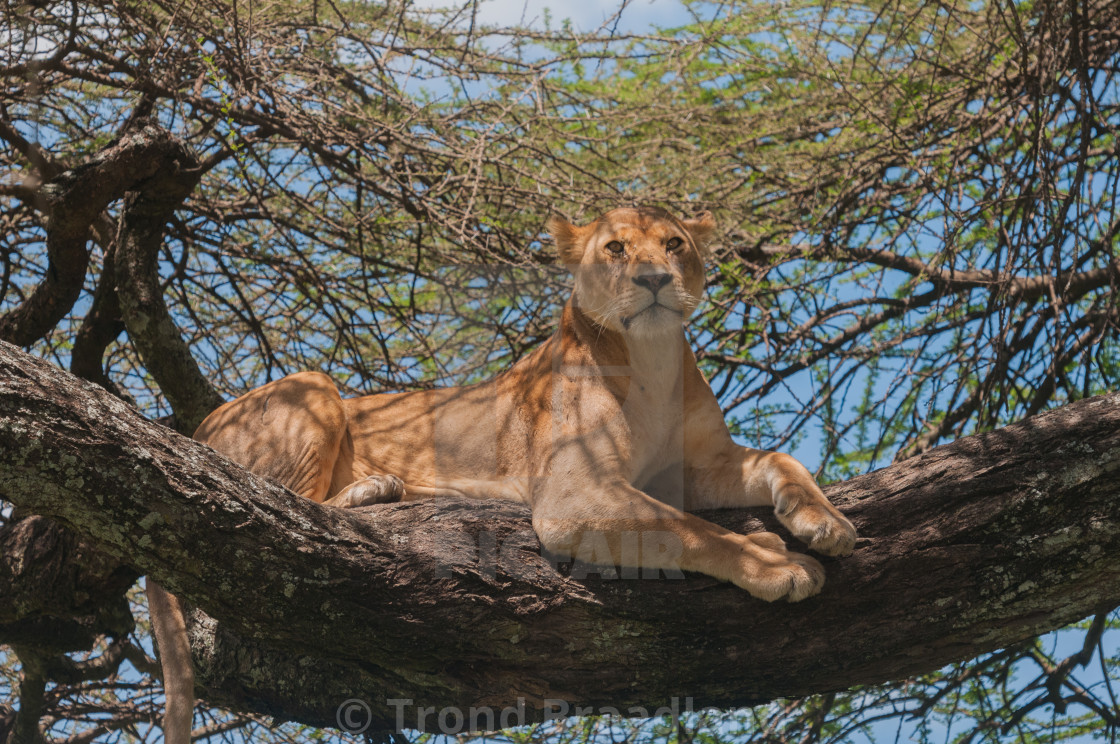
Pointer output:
x,y
652,282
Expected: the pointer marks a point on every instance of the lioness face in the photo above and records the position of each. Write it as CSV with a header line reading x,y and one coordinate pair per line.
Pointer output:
x,y
639,272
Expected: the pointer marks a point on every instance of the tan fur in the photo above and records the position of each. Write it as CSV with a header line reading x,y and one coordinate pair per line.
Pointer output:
x,y
170,629
607,412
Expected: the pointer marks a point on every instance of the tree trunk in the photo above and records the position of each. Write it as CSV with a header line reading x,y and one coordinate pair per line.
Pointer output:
x,y
449,605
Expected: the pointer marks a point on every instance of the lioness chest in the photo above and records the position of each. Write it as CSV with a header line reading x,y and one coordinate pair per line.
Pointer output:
x,y
654,416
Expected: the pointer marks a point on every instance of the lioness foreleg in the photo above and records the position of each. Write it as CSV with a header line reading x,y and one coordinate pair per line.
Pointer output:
x,y
626,527
740,476
719,473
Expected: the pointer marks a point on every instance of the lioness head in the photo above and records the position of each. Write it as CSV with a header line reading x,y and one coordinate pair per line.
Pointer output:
x,y
638,271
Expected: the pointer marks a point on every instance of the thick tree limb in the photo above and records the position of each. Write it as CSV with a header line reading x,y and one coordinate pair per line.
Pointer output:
x,y
150,326
159,172
32,702
74,199
969,547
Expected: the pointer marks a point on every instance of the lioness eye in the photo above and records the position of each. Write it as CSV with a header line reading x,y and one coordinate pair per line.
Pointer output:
x,y
674,243
615,247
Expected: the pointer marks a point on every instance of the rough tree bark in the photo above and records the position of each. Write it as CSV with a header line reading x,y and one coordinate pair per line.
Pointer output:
x,y
967,548
57,592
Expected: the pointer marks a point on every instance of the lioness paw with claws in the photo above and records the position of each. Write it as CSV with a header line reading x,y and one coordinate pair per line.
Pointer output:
x,y
770,571
822,528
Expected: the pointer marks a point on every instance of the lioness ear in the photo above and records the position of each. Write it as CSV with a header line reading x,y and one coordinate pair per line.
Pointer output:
x,y
701,228
570,239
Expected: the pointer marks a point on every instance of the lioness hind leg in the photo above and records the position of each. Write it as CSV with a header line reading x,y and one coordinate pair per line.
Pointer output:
x,y
373,489
289,430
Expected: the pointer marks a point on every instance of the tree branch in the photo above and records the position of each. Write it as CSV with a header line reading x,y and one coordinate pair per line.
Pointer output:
x,y
967,548
74,200
150,326
32,688
1070,283
100,327
58,593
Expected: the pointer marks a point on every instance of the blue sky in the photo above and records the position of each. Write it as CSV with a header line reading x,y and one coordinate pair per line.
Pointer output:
x,y
585,15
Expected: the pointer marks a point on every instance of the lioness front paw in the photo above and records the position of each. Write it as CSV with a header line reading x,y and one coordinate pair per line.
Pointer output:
x,y
822,527
834,536
771,572
373,489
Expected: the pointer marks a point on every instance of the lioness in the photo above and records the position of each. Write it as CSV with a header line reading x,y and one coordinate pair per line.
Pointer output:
x,y
607,429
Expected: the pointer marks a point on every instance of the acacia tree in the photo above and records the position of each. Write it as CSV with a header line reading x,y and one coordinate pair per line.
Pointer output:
x,y
918,205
